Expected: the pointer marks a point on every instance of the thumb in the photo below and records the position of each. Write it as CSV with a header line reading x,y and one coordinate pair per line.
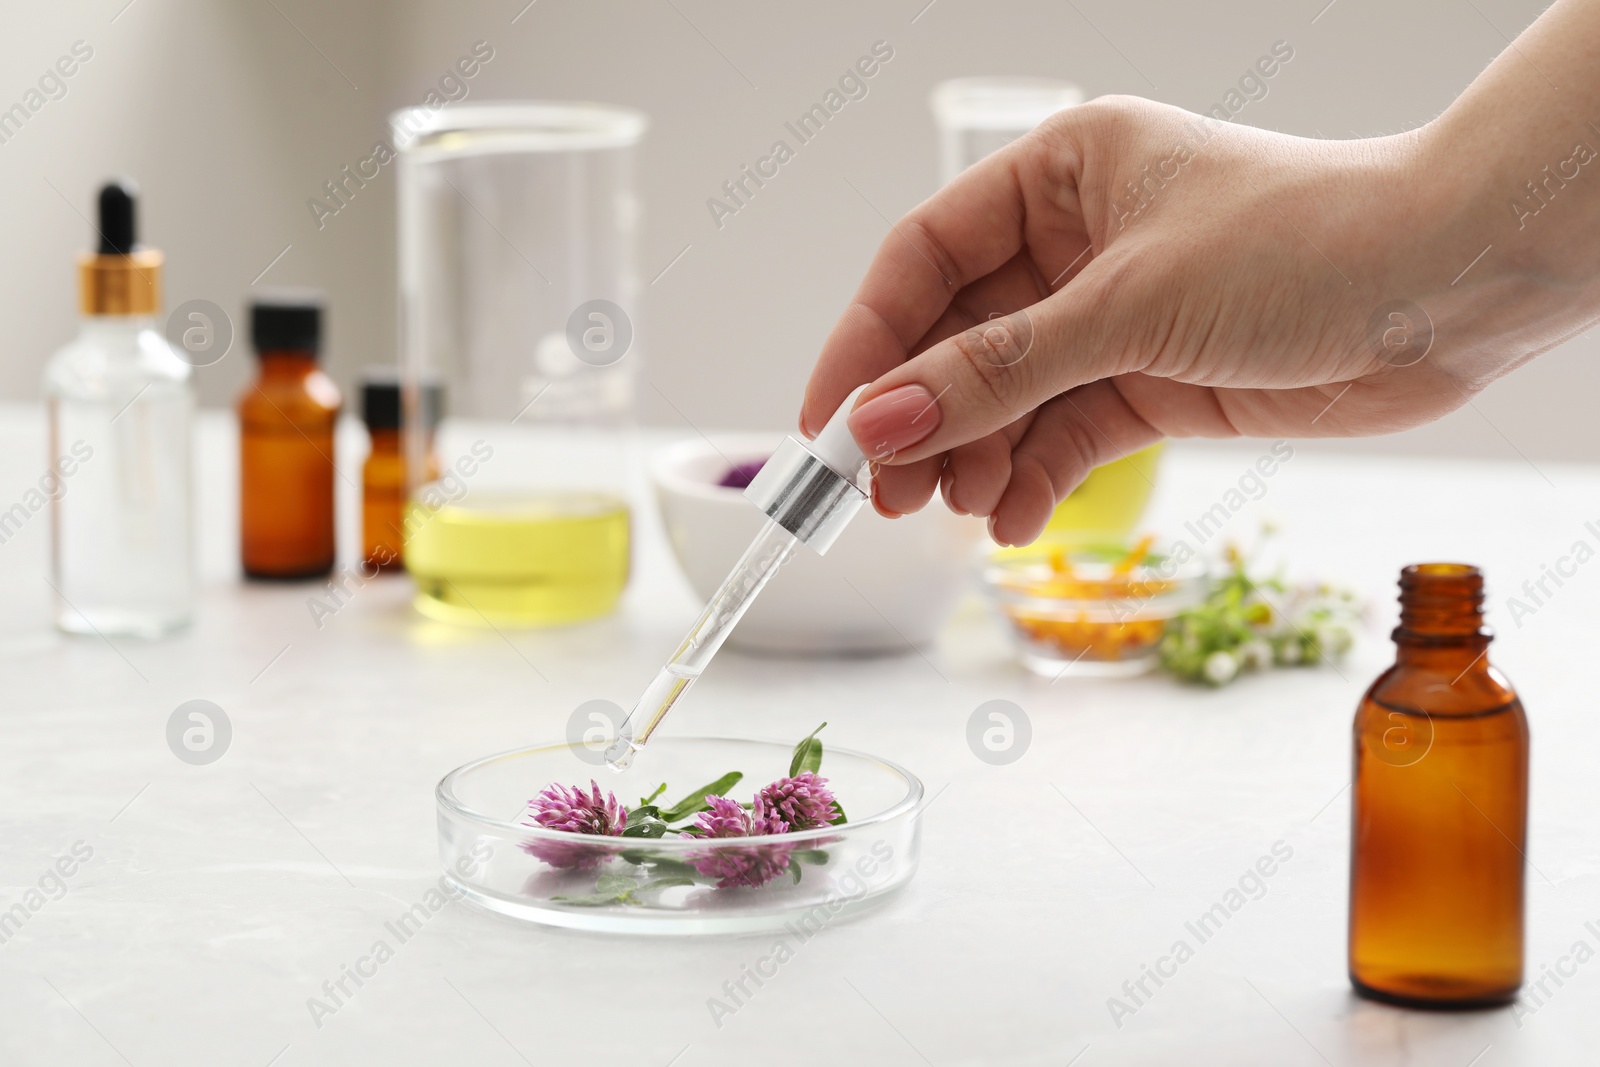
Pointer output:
x,y
980,380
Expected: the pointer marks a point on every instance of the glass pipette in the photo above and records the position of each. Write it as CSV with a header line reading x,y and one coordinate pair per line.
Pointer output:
x,y
809,492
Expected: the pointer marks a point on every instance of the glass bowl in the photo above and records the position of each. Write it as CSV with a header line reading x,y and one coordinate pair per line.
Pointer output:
x,y
1084,607
673,885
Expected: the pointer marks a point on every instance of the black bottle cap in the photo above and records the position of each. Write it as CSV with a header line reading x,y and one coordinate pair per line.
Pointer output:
x,y
287,319
380,400
119,224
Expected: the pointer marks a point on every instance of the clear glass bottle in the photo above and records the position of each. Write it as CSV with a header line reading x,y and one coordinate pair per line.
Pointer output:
x,y
1440,808
287,419
121,403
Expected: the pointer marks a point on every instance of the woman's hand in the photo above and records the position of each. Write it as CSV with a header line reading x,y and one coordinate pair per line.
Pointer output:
x,y
1130,271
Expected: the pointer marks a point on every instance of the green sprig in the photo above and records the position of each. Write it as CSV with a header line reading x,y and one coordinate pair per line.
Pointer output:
x,y
1248,623
649,820
807,754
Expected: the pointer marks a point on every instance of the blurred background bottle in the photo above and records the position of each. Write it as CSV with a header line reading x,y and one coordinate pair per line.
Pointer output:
x,y
287,418
518,225
121,411
1439,812
384,485
977,116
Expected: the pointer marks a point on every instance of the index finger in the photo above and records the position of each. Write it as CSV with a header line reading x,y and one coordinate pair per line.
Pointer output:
x,y
969,228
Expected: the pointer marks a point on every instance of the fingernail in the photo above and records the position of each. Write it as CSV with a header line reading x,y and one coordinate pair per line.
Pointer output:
x,y
877,505
994,536
944,491
898,419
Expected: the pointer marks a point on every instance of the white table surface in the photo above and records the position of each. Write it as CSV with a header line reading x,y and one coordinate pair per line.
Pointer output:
x,y
219,898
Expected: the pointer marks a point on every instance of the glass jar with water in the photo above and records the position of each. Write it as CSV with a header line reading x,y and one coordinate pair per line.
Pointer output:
x,y
518,288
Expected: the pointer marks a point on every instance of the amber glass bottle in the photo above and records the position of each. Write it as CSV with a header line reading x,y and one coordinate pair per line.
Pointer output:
x,y
287,418
1439,811
384,486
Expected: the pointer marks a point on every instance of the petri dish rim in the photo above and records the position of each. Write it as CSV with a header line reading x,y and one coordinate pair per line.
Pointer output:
x,y
909,804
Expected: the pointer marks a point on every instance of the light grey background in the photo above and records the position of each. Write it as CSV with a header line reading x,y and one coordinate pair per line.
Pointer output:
x,y
232,113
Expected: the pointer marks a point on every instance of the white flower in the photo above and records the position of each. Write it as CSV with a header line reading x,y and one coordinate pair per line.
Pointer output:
x,y
1255,653
1335,638
1220,667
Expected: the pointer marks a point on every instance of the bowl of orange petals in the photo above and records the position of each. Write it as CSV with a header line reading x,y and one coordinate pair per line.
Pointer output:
x,y
1086,607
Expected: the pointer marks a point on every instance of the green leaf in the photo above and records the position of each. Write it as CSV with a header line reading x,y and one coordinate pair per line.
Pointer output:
x,y
620,889
695,802
794,872
643,812
662,867
644,801
838,807
815,856
810,759
592,900
615,883
647,828
807,754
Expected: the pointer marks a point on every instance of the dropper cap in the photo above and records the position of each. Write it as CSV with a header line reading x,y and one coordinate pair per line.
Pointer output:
x,y
814,488
287,320
119,220
119,277
382,399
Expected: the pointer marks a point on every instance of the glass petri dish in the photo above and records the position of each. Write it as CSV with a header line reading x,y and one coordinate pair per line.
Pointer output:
x,y
670,885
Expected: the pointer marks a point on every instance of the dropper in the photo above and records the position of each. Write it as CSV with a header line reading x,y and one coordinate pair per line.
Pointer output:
x,y
809,491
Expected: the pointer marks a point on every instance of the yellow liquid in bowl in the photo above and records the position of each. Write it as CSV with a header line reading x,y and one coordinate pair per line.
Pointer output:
x,y
524,560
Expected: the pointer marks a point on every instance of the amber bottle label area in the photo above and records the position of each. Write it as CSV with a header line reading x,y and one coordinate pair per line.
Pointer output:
x,y
286,517
286,469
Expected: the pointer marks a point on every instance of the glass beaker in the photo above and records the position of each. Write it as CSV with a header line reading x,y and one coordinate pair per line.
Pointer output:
x,y
517,288
978,115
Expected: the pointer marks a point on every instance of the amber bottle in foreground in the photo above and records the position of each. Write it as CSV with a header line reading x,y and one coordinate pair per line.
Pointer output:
x,y
287,418
1439,808
384,485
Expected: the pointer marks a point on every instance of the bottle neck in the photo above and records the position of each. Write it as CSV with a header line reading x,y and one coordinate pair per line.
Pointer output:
x,y
1441,616
287,362
114,326
385,440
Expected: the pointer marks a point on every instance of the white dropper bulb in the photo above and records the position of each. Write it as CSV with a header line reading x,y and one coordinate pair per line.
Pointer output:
x,y
836,445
